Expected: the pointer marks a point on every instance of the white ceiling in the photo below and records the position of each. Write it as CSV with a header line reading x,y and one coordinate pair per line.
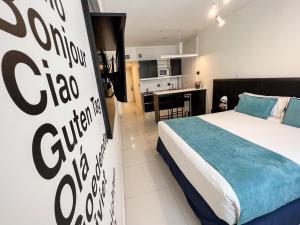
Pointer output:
x,y
157,22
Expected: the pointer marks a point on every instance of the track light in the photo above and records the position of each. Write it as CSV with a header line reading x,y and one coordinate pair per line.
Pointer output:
x,y
213,12
221,22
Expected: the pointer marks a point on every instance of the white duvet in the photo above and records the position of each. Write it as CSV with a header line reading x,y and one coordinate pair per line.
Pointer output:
x,y
212,186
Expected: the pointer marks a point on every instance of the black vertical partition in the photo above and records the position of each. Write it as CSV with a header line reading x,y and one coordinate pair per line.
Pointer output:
x,y
232,88
106,33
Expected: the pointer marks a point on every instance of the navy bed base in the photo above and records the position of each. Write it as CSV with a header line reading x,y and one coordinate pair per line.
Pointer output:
x,y
286,215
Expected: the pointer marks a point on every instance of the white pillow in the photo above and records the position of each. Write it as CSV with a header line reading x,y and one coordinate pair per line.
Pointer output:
x,y
279,108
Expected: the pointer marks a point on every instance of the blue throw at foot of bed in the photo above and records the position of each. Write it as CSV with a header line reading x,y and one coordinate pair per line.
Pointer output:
x,y
262,179
286,215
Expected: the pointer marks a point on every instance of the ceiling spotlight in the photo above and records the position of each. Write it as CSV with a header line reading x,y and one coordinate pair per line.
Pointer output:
x,y
220,21
213,10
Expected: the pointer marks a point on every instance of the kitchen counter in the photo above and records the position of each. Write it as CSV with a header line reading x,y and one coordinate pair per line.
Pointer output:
x,y
147,93
162,77
174,99
167,92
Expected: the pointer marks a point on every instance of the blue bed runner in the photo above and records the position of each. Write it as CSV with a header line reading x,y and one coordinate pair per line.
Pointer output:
x,y
262,180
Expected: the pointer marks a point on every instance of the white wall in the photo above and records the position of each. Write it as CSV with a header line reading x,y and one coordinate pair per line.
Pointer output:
x,y
43,178
94,6
131,52
189,65
189,71
101,6
154,52
260,40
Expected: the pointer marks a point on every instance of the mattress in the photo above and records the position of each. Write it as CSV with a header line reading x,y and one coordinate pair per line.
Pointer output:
x,y
216,191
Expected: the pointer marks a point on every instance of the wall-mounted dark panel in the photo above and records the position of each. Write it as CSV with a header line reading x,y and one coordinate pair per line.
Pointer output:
x,y
148,69
175,67
108,30
264,86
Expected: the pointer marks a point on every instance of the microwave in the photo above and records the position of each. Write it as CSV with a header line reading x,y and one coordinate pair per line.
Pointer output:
x,y
163,72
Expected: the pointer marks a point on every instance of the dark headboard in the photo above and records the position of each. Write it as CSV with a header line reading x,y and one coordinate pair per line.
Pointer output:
x,y
264,86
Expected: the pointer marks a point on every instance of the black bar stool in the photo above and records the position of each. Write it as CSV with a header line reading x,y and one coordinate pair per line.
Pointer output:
x,y
167,103
188,98
179,105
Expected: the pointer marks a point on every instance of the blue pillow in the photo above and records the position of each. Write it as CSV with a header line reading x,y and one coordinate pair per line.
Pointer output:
x,y
256,106
292,115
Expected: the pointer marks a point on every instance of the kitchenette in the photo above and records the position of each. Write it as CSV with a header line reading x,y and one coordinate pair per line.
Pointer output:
x,y
160,85
158,75
162,92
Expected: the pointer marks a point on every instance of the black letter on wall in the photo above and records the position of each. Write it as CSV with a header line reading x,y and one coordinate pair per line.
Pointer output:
x,y
45,171
9,63
18,29
60,218
32,16
62,12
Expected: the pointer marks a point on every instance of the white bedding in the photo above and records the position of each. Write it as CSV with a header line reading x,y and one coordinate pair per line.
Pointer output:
x,y
216,191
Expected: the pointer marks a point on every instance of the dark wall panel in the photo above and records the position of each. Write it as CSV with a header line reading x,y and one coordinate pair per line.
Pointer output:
x,y
263,86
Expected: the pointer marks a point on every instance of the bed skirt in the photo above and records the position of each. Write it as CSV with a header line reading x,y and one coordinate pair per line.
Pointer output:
x,y
286,215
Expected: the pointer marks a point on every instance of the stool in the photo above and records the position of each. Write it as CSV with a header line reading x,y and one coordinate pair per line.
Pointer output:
x,y
167,105
179,105
188,98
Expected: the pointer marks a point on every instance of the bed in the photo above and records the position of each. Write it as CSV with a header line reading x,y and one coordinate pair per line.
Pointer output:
x,y
213,198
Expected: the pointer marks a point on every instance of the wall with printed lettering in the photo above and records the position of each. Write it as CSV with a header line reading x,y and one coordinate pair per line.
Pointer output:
x,y
56,164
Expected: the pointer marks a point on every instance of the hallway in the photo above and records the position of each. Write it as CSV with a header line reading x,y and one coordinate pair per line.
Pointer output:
x,y
152,196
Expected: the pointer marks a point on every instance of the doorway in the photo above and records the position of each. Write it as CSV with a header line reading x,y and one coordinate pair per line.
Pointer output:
x,y
129,85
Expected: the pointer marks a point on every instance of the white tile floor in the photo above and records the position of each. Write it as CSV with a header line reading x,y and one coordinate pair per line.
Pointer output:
x,y
152,196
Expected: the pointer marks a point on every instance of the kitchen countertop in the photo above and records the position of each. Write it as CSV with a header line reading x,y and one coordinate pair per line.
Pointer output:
x,y
177,91
147,93
162,77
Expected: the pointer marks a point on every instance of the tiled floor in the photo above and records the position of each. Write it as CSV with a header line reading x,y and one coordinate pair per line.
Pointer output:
x,y
152,196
